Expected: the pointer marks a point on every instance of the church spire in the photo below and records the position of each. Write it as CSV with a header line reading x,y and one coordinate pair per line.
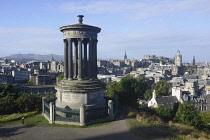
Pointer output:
x,y
193,60
52,58
125,56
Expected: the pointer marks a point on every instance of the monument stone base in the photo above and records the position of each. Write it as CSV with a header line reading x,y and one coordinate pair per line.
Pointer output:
x,y
72,93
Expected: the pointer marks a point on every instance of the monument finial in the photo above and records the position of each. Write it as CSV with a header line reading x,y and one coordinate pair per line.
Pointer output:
x,y
80,18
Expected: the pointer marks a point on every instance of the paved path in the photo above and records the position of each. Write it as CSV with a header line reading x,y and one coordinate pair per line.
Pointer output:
x,y
116,130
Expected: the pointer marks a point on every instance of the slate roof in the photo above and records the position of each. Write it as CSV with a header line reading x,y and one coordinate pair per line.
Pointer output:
x,y
192,77
167,101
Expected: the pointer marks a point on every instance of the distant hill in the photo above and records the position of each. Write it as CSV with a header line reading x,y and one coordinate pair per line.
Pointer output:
x,y
30,57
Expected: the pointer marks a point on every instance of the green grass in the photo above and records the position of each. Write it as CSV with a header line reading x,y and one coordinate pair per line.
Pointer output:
x,y
12,118
40,120
150,127
37,119
147,131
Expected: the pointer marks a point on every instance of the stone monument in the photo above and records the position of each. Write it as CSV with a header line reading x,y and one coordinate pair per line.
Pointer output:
x,y
80,84
80,96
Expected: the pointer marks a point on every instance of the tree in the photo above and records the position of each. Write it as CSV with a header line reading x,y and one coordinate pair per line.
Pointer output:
x,y
27,103
161,88
164,113
148,94
30,82
112,89
128,90
12,101
7,89
60,77
188,115
7,105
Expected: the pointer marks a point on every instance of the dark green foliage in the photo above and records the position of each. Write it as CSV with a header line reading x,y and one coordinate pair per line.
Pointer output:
x,y
161,88
188,115
13,102
148,94
128,90
29,83
164,113
205,117
7,105
112,89
27,103
60,77
6,89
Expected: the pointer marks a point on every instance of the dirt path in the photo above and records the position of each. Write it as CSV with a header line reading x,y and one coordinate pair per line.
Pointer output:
x,y
116,130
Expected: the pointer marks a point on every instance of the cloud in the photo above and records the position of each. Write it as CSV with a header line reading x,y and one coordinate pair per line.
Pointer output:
x,y
138,9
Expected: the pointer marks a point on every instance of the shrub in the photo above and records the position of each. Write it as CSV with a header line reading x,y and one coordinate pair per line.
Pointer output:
x,y
188,115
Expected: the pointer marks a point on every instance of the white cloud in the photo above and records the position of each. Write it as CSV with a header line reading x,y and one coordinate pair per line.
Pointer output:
x,y
138,9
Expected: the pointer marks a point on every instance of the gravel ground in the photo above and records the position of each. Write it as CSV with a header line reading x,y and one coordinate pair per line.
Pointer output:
x,y
116,130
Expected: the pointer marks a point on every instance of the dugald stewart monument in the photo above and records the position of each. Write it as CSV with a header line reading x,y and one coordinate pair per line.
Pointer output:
x,y
80,95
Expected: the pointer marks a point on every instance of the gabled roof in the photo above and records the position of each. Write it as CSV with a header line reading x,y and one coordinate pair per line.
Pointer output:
x,y
167,101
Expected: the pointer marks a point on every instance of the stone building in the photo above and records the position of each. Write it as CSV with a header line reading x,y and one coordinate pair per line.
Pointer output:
x,y
177,68
204,103
43,77
21,76
6,79
166,101
178,59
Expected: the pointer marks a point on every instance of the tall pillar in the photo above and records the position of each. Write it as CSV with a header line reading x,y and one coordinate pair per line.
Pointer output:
x,y
70,64
43,101
82,115
80,59
110,109
96,68
75,58
90,62
52,112
65,59
94,59
85,59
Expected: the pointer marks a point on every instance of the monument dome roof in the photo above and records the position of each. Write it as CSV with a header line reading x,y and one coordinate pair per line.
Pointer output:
x,y
80,26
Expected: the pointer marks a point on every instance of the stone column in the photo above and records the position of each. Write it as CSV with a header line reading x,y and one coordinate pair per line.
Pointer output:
x,y
70,64
85,60
43,100
90,62
52,112
110,109
82,115
65,60
75,59
96,67
80,59
95,59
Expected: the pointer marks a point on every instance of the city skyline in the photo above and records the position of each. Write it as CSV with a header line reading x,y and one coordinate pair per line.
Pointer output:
x,y
140,28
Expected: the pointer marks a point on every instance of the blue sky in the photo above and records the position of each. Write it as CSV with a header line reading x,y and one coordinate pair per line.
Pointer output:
x,y
139,27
